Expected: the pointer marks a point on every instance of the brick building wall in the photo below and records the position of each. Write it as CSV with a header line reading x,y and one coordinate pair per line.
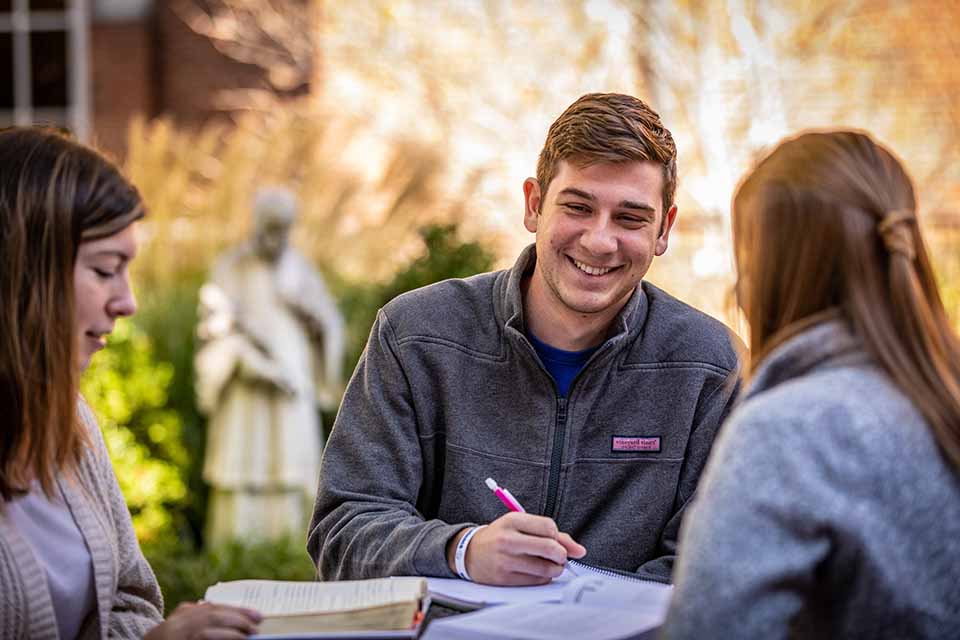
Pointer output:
x,y
156,65
121,83
192,73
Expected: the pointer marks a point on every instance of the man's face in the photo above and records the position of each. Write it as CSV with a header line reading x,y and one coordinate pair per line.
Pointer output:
x,y
271,236
598,229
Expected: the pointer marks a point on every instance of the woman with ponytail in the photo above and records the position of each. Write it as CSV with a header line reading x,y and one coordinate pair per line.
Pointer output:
x,y
830,506
70,566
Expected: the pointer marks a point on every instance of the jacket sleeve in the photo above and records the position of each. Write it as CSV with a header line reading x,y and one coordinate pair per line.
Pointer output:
x,y
366,523
137,604
711,413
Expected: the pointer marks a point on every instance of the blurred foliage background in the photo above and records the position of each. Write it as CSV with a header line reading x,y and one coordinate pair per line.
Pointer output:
x,y
408,150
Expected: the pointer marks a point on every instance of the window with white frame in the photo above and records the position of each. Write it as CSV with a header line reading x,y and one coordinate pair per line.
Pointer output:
x,y
44,74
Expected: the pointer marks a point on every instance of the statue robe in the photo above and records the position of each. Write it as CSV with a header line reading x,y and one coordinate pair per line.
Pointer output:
x,y
264,445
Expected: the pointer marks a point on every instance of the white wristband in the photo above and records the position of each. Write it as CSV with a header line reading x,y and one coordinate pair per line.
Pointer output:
x,y
460,555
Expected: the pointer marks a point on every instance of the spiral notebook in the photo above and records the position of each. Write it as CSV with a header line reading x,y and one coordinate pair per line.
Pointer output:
x,y
584,601
468,596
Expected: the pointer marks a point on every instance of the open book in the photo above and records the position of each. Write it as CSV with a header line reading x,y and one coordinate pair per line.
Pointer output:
x,y
307,608
584,602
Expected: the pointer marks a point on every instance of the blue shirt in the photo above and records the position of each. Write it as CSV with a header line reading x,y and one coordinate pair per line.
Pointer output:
x,y
562,365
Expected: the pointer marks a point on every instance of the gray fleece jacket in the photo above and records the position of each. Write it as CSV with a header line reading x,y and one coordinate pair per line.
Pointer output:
x,y
826,510
449,392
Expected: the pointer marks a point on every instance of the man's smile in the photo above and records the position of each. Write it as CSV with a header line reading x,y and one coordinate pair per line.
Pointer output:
x,y
590,269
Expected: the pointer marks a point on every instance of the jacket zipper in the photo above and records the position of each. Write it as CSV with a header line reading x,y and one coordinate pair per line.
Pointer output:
x,y
556,457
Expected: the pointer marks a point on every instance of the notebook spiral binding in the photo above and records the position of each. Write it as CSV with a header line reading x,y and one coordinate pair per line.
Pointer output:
x,y
607,572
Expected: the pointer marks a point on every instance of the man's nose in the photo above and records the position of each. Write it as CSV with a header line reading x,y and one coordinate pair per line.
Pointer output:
x,y
598,238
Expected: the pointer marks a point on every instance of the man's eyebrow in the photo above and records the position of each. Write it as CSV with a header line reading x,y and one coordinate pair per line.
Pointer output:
x,y
624,204
642,206
573,191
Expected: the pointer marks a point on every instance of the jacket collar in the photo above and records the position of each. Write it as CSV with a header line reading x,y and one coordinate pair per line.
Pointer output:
x,y
826,343
510,300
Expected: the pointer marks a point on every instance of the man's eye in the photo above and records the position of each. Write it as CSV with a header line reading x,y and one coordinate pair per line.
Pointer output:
x,y
579,208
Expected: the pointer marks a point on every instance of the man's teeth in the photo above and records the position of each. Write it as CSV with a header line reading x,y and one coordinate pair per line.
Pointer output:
x,y
594,271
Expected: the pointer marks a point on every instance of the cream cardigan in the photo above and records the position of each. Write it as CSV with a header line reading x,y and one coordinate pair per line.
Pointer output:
x,y
128,598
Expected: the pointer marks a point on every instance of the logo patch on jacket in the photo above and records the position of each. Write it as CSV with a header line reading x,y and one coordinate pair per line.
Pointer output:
x,y
635,443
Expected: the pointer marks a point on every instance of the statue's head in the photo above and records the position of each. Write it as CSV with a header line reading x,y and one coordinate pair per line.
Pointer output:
x,y
274,211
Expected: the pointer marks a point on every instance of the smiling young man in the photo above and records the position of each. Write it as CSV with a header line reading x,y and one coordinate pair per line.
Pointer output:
x,y
591,395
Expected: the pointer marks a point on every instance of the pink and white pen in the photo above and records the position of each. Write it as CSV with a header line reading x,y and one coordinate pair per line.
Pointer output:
x,y
505,496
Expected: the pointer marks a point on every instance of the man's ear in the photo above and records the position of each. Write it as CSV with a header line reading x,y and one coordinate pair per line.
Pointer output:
x,y
668,219
531,204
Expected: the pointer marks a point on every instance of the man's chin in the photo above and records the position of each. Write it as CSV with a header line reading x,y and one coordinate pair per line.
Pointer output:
x,y
589,308
596,304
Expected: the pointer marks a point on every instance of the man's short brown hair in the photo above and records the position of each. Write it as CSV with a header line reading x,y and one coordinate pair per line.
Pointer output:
x,y
609,127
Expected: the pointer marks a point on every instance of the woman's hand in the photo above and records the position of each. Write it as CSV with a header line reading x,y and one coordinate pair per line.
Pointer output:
x,y
206,621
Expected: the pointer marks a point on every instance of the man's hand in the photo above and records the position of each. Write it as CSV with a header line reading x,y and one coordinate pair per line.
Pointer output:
x,y
517,549
205,621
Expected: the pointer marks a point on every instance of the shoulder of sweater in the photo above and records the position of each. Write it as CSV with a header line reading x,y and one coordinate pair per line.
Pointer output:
x,y
850,409
675,332
832,442
453,310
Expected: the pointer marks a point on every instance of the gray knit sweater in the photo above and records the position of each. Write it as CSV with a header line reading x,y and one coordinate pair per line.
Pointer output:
x,y
826,509
128,597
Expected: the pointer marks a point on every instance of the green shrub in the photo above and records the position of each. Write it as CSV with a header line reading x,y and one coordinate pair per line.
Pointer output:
x,y
127,388
185,573
444,255
169,317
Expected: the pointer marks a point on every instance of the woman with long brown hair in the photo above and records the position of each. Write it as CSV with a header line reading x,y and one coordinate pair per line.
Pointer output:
x,y
830,506
70,566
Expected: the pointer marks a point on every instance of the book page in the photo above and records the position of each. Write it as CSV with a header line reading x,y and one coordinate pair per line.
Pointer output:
x,y
271,597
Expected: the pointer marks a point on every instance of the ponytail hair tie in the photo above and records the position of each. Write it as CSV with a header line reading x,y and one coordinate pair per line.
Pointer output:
x,y
897,238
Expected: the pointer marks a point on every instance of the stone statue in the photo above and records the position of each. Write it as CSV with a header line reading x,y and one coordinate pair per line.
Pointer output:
x,y
270,354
